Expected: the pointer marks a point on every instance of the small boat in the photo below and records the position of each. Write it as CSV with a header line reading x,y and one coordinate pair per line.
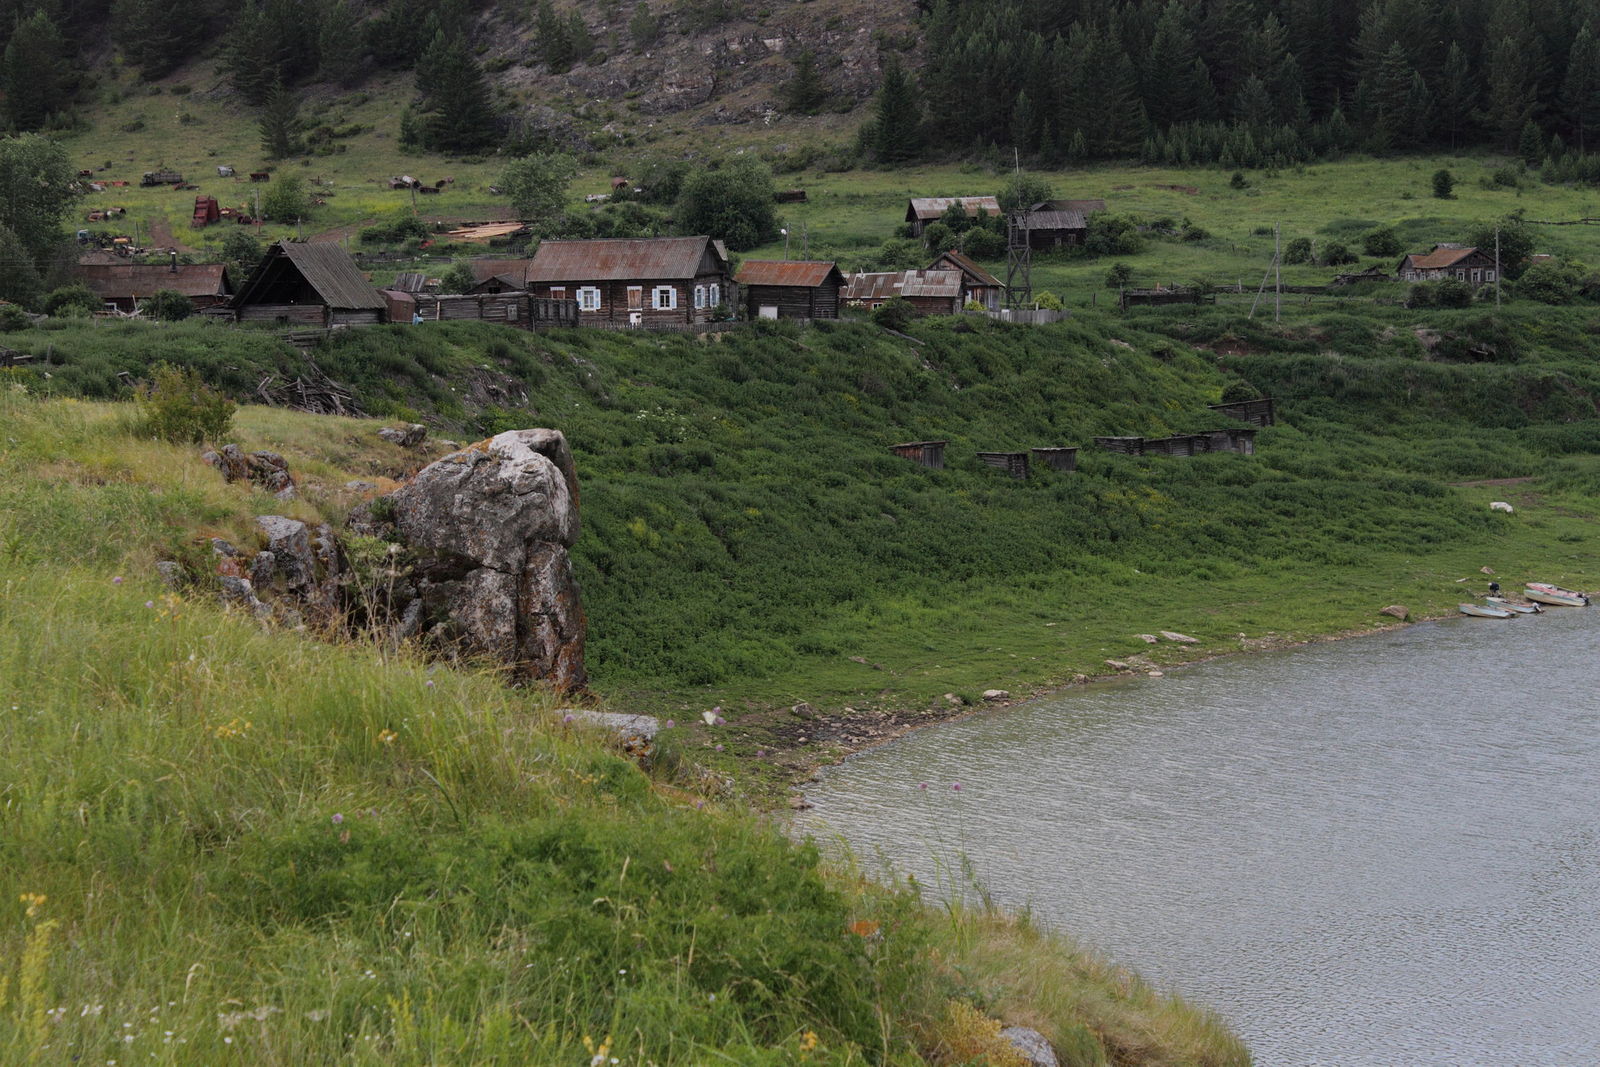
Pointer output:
x,y
1486,611
1540,593
1520,609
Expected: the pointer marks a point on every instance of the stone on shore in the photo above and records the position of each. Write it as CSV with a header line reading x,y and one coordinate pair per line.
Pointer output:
x,y
1397,611
1031,1045
1182,639
996,694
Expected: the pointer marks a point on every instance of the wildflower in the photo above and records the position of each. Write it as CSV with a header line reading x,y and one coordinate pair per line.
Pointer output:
x,y
387,737
34,901
760,753
808,1041
922,785
956,786
149,603
710,717
337,819
567,717
721,721
117,580
429,683
670,724
719,748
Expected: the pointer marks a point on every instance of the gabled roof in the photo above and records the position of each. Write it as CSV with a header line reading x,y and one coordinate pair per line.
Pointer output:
x,y
484,269
136,281
1441,257
1057,220
805,274
621,259
327,268
908,283
928,208
974,273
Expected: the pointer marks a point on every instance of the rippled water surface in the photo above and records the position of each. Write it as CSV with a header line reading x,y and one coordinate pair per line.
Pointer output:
x,y
1382,851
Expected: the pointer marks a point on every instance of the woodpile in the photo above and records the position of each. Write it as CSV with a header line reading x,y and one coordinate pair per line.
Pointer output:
x,y
316,393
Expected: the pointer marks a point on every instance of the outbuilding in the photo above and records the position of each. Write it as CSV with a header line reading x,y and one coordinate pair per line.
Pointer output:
x,y
789,289
298,284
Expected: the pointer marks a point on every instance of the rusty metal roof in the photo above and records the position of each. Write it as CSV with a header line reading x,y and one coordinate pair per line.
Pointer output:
x,y
622,259
796,272
113,281
484,269
928,208
908,283
1441,257
977,274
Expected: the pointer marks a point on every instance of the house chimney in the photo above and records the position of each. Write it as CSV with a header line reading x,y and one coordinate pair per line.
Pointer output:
x,y
174,266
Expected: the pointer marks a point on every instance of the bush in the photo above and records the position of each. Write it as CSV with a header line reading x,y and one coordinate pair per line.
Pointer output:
x,y
899,253
72,300
179,406
168,305
1454,293
1048,300
404,227
1297,251
1192,232
1550,282
1444,184
895,314
13,318
1113,235
458,279
982,243
1422,295
1382,242
1335,254
1238,181
938,237
1119,276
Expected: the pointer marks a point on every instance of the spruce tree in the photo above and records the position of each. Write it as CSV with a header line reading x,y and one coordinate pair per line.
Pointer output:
x,y
458,115
554,41
1458,93
579,41
1512,97
1170,86
339,45
280,124
1024,123
804,94
1580,91
1530,143
898,115
643,26
33,72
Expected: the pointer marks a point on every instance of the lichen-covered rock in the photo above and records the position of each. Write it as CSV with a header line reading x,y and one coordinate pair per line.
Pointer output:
x,y
1032,1045
488,528
268,470
410,435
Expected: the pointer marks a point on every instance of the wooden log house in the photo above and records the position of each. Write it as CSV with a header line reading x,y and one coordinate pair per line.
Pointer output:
x,y
656,281
125,286
298,284
789,289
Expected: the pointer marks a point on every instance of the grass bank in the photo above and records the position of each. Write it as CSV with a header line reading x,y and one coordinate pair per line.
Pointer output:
x,y
223,844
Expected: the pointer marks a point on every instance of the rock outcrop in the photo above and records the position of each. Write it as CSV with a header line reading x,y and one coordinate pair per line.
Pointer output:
x,y
268,470
487,529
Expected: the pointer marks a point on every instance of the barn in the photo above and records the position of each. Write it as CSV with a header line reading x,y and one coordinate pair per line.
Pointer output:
x,y
124,286
1060,223
923,210
789,289
977,284
298,284
929,292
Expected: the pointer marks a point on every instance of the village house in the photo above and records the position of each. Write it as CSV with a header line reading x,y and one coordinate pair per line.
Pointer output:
x,y
306,285
923,210
655,281
1060,223
1448,261
977,284
929,292
125,286
789,289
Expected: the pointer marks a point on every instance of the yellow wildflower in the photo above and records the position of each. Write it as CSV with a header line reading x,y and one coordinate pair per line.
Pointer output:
x,y
387,737
34,901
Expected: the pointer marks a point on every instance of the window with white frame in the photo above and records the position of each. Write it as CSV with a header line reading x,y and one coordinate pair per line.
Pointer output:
x,y
1488,275
699,296
588,298
664,298
716,296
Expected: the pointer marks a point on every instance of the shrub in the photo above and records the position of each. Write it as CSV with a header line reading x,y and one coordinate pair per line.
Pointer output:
x,y
895,314
981,243
898,253
179,406
1421,295
72,300
1048,300
1119,276
1334,254
1444,185
938,237
1454,293
1192,232
1550,282
1382,242
1238,181
1297,251
458,279
1113,235
168,305
13,318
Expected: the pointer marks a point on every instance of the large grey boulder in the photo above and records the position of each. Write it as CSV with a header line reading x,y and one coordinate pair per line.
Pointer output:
x,y
1032,1045
489,527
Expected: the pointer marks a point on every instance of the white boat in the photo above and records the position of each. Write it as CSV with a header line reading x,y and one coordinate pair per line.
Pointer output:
x,y
1540,593
1520,609
1486,611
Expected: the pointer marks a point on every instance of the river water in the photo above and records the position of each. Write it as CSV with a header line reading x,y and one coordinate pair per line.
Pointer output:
x,y
1381,851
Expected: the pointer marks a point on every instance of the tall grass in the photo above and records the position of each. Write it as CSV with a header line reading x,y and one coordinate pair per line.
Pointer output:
x,y
221,843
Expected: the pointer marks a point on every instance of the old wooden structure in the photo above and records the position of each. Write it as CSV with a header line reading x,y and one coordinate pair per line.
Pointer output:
x,y
124,286
928,453
977,284
923,210
1177,295
654,281
789,196
1460,262
1257,412
161,177
206,211
1013,463
789,289
1060,223
1188,444
1057,459
929,292
512,308
298,284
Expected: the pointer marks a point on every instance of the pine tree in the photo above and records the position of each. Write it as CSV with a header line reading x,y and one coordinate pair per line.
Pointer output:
x,y
33,72
579,41
898,133
1024,123
339,45
280,124
1416,123
1252,105
1170,83
1530,143
458,114
643,26
1512,97
554,40
1458,94
155,35
804,94
1580,91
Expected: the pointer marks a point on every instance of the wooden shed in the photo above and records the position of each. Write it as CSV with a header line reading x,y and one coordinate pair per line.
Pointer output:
x,y
976,283
298,284
789,289
928,453
124,286
923,210
1256,412
929,292
1060,223
1013,463
1057,459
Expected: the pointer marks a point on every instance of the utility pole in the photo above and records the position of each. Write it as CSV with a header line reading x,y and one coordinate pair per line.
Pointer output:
x,y
1497,266
1277,270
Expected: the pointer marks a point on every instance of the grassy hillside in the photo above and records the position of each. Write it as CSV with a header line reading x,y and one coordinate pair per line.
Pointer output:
x,y
751,543
220,844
